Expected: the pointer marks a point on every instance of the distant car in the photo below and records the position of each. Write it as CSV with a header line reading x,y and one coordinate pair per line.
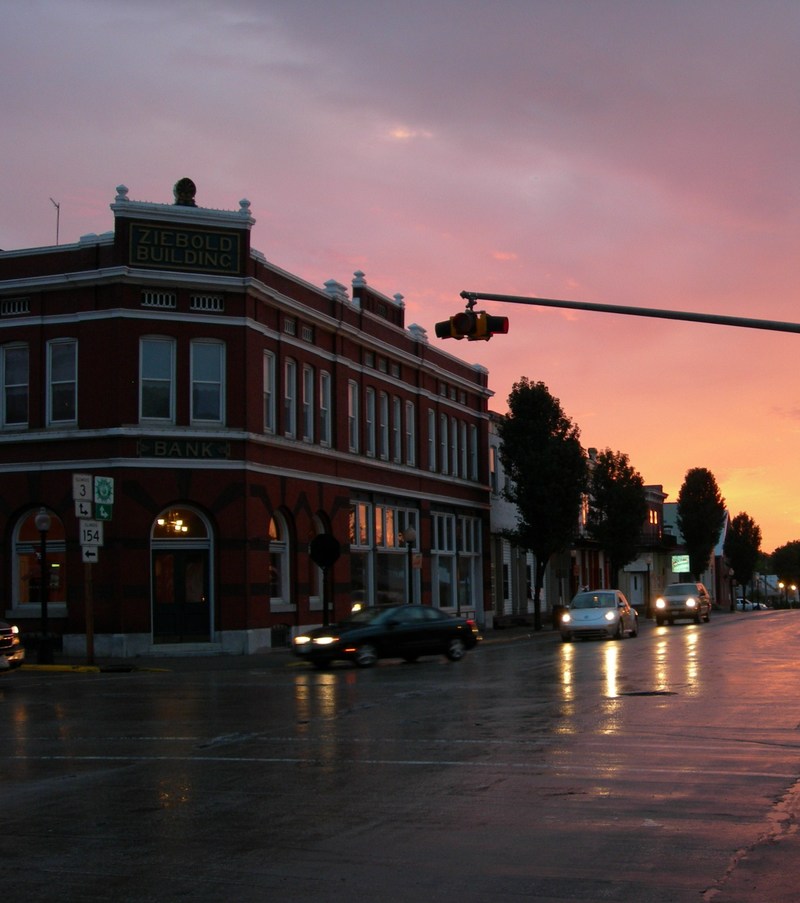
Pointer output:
x,y
747,605
683,600
12,652
598,613
400,631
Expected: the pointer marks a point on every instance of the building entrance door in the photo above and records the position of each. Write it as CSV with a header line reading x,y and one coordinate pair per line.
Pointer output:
x,y
181,584
181,610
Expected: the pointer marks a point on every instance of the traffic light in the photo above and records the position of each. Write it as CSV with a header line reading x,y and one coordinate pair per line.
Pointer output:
x,y
472,325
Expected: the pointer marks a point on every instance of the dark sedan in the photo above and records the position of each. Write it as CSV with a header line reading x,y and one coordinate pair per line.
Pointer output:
x,y
402,631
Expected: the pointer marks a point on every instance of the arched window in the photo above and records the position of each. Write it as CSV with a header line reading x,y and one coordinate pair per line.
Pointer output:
x,y
278,562
27,562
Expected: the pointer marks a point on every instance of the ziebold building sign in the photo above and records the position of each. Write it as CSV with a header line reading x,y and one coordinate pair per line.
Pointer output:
x,y
168,247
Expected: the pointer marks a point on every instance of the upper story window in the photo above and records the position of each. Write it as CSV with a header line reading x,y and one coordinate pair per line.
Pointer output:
x,y
62,381
14,373
290,399
157,379
411,434
325,413
397,446
208,382
269,392
431,439
383,426
369,439
352,416
308,404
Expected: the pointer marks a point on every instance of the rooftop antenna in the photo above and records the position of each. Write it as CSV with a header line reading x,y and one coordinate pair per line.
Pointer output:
x,y
58,215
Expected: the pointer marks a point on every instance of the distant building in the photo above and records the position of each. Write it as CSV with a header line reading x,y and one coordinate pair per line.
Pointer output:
x,y
240,412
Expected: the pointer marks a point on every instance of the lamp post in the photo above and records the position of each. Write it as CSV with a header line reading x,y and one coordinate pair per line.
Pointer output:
x,y
43,523
409,536
648,603
732,590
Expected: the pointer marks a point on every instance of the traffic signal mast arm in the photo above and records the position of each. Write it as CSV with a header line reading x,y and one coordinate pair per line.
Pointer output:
x,y
470,324
716,319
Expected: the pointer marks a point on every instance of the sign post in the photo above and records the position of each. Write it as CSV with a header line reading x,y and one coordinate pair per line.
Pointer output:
x,y
94,504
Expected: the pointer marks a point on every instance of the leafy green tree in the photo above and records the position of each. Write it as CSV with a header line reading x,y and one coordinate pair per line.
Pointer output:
x,y
545,467
617,508
742,547
701,517
786,562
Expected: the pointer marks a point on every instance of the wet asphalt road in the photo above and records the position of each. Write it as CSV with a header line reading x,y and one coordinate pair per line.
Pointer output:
x,y
663,768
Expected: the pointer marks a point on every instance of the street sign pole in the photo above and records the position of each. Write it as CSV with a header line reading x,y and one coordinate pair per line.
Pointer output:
x,y
89,612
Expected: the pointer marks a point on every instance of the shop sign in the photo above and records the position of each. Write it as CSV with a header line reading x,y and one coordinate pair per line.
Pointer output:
x,y
183,448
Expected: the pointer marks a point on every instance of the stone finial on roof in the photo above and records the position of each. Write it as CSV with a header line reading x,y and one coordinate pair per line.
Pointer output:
x,y
122,193
336,290
359,279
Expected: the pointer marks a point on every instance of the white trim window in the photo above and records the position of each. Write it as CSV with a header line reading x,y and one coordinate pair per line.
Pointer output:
x,y
325,410
411,433
473,452
157,379
269,392
308,403
443,442
290,399
208,381
431,440
383,426
278,578
352,416
14,373
62,381
369,414
397,430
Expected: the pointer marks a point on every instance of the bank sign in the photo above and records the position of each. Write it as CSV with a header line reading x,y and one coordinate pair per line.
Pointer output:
x,y
171,248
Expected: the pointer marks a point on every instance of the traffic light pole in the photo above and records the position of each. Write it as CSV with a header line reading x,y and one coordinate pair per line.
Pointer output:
x,y
715,319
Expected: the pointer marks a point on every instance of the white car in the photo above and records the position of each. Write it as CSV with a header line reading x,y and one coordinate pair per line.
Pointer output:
x,y
597,614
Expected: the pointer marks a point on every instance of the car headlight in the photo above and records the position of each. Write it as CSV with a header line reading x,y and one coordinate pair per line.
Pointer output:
x,y
301,640
14,629
610,615
566,618
660,603
690,602
324,640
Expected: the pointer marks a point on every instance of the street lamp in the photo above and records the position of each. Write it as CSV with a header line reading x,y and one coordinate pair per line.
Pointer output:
x,y
732,590
409,536
648,604
43,523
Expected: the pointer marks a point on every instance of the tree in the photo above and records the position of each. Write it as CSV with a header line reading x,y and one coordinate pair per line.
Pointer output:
x,y
701,516
545,465
786,563
742,548
617,509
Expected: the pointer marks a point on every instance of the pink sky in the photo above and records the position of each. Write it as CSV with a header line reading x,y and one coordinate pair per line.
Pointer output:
x,y
635,153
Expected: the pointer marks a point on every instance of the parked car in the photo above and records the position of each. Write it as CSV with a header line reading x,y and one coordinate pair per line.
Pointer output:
x,y
599,613
12,652
683,600
399,631
747,605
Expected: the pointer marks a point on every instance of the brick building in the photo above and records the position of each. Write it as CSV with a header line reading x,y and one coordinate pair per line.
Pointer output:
x,y
241,412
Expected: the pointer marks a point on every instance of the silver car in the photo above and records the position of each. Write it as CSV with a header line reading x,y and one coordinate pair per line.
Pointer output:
x,y
683,600
597,614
